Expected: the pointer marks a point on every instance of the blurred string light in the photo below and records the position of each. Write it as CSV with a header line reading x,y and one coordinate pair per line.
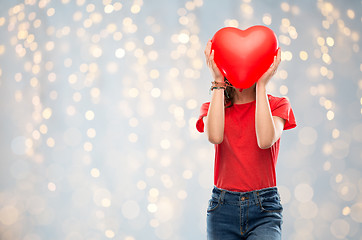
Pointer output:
x,y
100,101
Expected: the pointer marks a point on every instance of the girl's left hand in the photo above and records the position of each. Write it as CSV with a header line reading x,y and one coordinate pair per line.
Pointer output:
x,y
264,79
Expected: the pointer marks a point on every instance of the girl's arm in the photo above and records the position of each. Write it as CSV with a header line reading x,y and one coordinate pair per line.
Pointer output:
x,y
215,119
268,128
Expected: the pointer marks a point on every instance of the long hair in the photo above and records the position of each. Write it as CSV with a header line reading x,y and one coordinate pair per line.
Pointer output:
x,y
229,94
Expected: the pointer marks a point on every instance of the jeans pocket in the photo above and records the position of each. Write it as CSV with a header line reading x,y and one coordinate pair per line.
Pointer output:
x,y
213,204
271,205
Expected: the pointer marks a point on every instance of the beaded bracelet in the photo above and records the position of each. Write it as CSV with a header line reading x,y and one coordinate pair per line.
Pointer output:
x,y
219,85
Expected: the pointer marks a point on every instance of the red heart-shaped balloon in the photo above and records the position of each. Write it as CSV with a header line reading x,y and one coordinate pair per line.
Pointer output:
x,y
243,56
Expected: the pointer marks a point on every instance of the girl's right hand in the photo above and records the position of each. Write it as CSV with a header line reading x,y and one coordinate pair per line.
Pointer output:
x,y
209,55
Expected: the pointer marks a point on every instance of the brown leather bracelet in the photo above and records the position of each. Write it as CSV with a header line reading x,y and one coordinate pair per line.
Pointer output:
x,y
216,87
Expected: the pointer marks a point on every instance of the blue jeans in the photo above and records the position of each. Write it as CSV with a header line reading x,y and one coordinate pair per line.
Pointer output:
x,y
244,215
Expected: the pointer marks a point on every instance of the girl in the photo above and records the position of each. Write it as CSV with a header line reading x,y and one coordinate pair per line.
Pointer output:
x,y
245,125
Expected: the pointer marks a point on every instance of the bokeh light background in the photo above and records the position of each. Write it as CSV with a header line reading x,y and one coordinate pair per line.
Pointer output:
x,y
99,101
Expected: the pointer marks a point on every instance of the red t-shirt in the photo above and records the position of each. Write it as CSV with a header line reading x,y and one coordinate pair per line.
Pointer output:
x,y
240,165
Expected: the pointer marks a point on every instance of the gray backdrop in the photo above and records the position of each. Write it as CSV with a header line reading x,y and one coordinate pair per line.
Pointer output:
x,y
99,101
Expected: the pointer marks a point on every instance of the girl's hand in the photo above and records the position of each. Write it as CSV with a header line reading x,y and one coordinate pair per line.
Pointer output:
x,y
264,79
209,55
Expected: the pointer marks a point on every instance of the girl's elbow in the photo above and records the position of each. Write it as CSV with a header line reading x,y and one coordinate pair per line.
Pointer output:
x,y
215,139
265,144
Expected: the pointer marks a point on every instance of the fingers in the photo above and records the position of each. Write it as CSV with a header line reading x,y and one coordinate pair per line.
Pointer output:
x,y
209,55
207,52
277,59
279,52
208,48
210,60
279,56
212,55
276,64
271,70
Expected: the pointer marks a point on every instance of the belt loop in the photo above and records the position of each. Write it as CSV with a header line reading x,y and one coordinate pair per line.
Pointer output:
x,y
222,196
258,197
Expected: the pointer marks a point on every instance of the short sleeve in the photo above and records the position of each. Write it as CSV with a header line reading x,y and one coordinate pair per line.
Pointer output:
x,y
280,107
203,113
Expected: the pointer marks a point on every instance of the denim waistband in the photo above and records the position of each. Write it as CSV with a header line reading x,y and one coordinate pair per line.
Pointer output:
x,y
225,196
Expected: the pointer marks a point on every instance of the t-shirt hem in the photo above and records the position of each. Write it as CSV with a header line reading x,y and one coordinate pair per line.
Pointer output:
x,y
240,191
